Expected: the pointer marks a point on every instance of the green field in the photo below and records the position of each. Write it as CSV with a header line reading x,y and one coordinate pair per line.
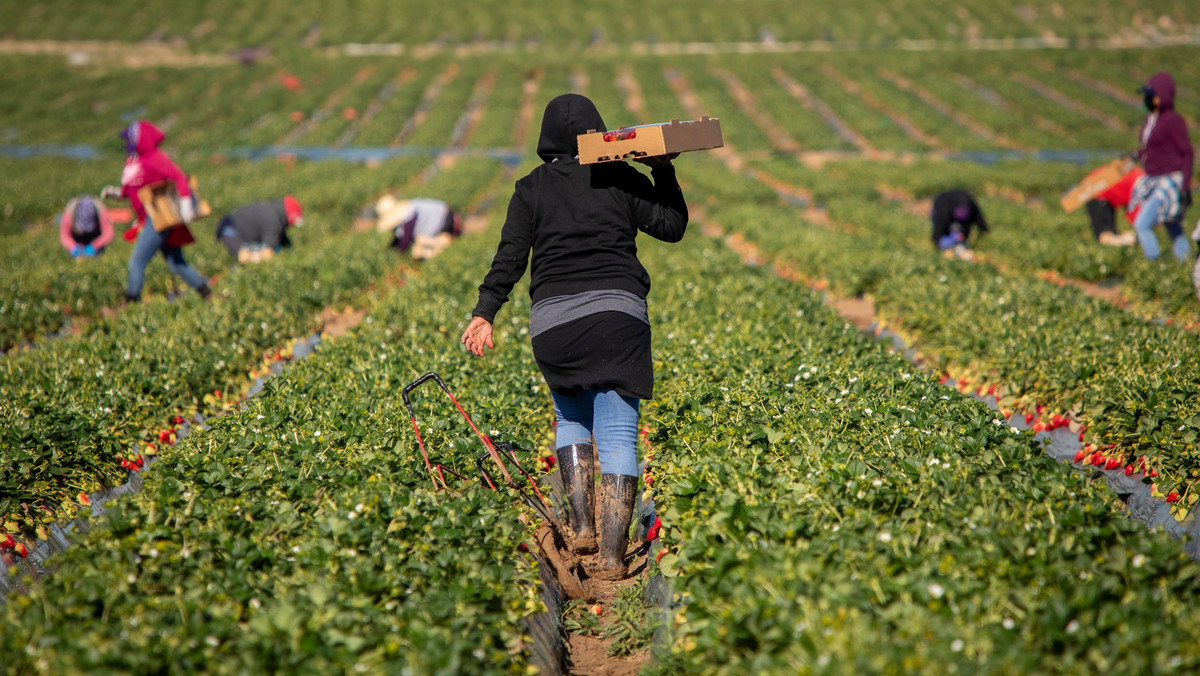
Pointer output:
x,y
828,504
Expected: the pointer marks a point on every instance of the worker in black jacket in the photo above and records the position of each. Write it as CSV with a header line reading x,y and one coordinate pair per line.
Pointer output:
x,y
589,322
256,232
954,213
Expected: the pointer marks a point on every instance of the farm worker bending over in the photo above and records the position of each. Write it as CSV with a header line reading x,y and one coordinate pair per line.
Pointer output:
x,y
147,164
85,228
258,231
954,213
589,322
1166,154
424,225
1102,210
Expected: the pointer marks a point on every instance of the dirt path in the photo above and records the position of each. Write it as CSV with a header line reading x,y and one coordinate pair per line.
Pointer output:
x,y
111,53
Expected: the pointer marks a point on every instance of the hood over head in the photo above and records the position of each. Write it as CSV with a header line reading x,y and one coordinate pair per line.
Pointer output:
x,y
566,117
141,137
86,217
1162,85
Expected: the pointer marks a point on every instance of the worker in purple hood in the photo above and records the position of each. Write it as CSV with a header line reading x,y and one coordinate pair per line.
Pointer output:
x,y
1165,152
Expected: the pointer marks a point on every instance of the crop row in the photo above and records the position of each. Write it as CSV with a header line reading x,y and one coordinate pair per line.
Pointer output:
x,y
288,26
1046,345
827,508
73,408
300,534
916,102
817,495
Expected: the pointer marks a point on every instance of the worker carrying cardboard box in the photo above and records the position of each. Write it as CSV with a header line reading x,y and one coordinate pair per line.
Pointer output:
x,y
145,166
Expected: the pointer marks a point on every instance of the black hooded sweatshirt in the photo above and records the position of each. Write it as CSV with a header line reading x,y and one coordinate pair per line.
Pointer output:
x,y
579,221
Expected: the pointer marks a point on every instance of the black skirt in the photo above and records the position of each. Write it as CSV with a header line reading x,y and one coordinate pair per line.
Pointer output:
x,y
604,351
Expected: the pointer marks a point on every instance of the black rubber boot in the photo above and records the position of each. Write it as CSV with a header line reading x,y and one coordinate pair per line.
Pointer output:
x,y
204,291
575,464
617,493
131,299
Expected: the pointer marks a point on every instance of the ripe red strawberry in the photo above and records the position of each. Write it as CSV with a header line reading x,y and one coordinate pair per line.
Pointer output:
x,y
84,499
648,480
165,435
1028,418
1152,474
652,534
1098,460
1081,435
217,394
1112,463
1079,455
21,550
7,542
1173,497
178,420
1129,470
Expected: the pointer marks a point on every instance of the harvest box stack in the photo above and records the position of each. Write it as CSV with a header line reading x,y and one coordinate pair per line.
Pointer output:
x,y
649,140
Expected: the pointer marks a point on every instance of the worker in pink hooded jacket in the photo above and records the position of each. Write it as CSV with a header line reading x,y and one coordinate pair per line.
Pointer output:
x,y
1165,152
147,164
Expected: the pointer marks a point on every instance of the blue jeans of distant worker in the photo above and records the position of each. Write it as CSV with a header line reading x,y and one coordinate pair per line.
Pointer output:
x,y
609,417
149,242
1144,227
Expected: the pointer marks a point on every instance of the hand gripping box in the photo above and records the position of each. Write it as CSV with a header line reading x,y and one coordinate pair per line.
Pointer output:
x,y
649,140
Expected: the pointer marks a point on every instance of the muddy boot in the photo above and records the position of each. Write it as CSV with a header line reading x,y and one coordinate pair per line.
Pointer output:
x,y
617,493
204,291
575,470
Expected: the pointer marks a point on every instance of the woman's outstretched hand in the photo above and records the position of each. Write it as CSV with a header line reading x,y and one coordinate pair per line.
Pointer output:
x,y
478,335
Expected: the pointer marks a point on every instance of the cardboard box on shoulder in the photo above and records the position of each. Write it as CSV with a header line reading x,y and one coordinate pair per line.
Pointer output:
x,y
650,140
161,200
1096,182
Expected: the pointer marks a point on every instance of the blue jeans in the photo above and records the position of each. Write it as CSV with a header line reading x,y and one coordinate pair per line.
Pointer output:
x,y
149,242
606,415
1144,227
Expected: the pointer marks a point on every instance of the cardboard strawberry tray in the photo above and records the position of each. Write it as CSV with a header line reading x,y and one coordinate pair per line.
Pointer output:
x,y
161,200
649,140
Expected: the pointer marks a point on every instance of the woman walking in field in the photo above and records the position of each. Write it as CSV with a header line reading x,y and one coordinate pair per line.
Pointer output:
x,y
589,323
147,164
